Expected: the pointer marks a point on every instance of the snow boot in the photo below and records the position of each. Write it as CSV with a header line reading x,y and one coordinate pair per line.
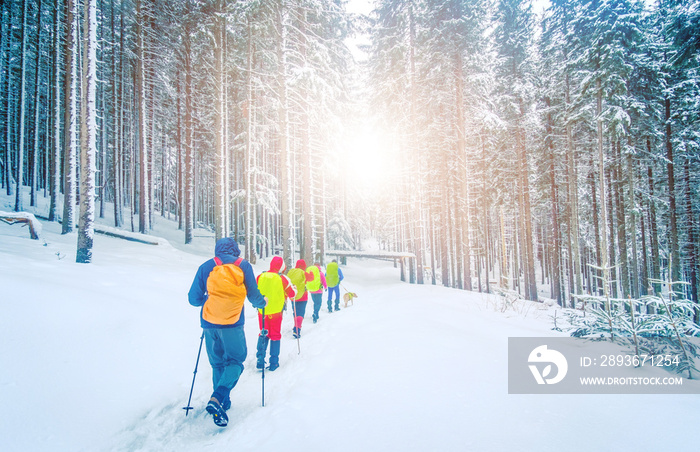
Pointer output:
x,y
217,412
274,355
262,351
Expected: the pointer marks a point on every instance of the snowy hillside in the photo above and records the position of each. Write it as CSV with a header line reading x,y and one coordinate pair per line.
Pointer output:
x,y
100,357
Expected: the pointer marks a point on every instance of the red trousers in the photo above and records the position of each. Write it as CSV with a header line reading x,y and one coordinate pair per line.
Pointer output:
x,y
273,325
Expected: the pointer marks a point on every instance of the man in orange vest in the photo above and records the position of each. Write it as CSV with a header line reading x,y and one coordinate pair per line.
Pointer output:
x,y
220,287
276,288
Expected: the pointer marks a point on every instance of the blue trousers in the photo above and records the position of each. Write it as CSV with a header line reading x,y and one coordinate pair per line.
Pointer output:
x,y
226,348
318,300
334,290
299,311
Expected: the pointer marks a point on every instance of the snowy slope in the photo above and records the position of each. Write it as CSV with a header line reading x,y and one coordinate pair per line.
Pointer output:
x,y
100,357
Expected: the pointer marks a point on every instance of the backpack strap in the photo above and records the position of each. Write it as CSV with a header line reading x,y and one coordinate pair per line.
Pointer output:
x,y
237,262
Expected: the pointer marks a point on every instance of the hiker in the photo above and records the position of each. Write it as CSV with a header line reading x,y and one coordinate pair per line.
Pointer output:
x,y
316,288
299,277
220,287
276,288
334,275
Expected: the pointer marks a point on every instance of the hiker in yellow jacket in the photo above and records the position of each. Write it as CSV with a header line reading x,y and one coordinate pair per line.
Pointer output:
x,y
276,288
334,275
316,288
300,277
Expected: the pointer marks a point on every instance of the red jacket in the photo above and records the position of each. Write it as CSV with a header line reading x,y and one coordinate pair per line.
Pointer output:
x,y
277,266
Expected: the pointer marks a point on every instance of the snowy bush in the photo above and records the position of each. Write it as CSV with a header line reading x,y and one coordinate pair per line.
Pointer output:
x,y
618,321
511,300
339,234
665,329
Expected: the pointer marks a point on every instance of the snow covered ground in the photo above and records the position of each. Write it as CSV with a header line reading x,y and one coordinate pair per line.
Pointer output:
x,y
100,357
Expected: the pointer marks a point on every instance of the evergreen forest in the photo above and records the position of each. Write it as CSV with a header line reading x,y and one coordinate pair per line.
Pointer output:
x,y
550,148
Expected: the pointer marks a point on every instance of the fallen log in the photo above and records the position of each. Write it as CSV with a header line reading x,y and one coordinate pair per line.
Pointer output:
x,y
24,218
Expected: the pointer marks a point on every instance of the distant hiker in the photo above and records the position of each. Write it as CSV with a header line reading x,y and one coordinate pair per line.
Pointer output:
x,y
276,288
334,275
299,277
316,288
220,287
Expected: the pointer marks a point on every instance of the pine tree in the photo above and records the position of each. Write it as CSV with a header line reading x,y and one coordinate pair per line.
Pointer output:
x,y
22,109
513,34
88,133
55,178
70,119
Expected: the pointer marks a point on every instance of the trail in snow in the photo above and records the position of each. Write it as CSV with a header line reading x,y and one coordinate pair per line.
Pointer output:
x,y
100,357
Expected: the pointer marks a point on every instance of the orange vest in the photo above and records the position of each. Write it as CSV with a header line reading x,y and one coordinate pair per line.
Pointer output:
x,y
227,292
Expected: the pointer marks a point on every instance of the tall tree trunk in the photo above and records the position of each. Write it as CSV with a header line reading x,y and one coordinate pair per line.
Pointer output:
x,y
35,157
7,63
219,134
306,179
618,195
417,217
556,291
523,171
445,219
250,164
70,119
631,208
55,181
88,145
188,143
672,212
462,211
22,109
655,256
596,206
601,176
504,271
118,91
287,210
140,86
572,176
612,249
692,251
104,116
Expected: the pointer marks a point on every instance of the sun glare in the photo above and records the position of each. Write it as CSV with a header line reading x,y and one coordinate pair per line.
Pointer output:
x,y
368,159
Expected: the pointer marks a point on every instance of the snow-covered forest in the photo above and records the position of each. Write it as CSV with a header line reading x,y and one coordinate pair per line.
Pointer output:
x,y
503,145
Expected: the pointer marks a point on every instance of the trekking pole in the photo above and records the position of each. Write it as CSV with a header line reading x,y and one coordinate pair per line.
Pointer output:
x,y
294,310
188,407
263,333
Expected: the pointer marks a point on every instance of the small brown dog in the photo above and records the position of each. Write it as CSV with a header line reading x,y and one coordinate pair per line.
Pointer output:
x,y
347,298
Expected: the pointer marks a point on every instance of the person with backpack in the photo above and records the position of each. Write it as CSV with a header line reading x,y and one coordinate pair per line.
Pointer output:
x,y
316,288
299,277
220,287
276,288
334,275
